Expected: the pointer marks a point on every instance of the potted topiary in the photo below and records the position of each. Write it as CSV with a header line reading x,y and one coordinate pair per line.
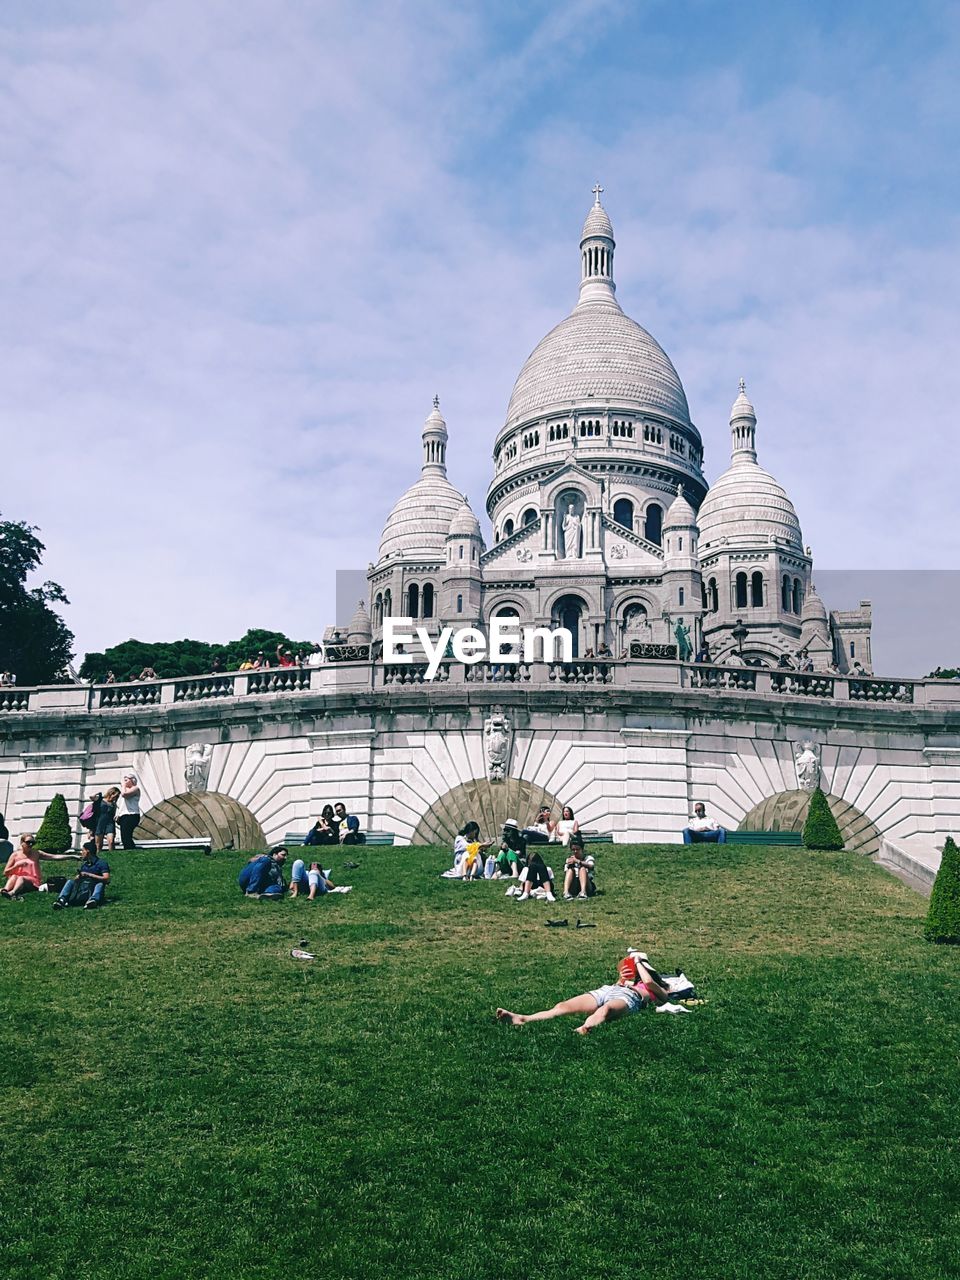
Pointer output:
x,y
55,835
943,917
820,831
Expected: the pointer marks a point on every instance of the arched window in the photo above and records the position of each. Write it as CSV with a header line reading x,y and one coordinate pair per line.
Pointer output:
x,y
741,589
459,604
388,603
714,595
507,528
623,513
378,610
460,549
756,590
704,603
797,595
786,598
653,523
413,601
679,595
529,515
427,600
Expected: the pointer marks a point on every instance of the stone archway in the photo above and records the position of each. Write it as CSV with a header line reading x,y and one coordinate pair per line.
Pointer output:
x,y
485,802
787,811
228,823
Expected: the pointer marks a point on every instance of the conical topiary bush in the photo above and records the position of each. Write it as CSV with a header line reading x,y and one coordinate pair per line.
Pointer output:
x,y
943,917
820,830
54,835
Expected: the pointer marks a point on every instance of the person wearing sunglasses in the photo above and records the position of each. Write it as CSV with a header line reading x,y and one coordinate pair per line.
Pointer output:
x,y
23,867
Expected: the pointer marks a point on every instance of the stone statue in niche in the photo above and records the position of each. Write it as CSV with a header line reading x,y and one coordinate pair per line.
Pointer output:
x,y
497,737
197,768
806,760
571,533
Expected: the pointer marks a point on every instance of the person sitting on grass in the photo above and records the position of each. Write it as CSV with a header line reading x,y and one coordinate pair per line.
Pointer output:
x,y
262,877
512,857
541,831
471,863
567,826
23,867
638,986
88,886
536,876
578,873
702,829
311,882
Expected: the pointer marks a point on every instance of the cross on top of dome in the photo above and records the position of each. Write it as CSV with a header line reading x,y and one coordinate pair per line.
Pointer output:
x,y
598,192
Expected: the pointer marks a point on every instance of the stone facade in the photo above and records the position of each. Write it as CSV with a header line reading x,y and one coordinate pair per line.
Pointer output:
x,y
603,521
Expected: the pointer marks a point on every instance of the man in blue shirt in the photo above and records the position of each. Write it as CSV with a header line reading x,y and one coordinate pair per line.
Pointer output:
x,y
88,886
262,877
349,826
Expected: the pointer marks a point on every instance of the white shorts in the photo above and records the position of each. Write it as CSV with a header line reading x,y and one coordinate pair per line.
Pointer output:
x,y
631,998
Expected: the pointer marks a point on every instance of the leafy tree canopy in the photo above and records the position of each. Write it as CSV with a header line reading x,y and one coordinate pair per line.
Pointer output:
x,y
170,659
35,643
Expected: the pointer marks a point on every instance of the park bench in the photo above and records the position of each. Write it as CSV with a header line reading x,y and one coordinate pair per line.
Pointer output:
x,y
371,837
596,837
204,843
765,837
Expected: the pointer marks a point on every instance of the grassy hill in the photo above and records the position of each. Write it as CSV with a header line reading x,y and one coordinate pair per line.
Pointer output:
x,y
182,1099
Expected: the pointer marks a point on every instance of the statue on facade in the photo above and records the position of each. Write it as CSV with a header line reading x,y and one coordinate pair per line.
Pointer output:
x,y
497,736
806,760
197,768
682,637
571,534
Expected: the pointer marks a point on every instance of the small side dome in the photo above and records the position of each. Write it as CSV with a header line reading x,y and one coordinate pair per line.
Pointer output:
x,y
742,408
359,630
464,523
814,610
597,223
680,514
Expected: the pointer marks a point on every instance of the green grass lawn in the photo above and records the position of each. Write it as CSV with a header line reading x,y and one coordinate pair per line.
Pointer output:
x,y
183,1099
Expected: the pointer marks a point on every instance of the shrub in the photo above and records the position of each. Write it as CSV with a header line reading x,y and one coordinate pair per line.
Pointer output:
x,y
55,835
820,831
943,917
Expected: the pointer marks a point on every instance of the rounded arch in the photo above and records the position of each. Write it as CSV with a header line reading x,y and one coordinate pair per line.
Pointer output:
x,y
488,803
653,522
228,823
506,607
530,516
787,811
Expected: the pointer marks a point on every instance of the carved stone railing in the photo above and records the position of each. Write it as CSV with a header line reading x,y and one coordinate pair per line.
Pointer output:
x,y
660,652
873,690
704,677
14,699
413,673
279,680
347,653
583,672
497,673
809,684
201,688
129,695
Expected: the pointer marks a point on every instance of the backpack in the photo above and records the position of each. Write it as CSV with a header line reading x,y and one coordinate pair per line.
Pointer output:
x,y
88,818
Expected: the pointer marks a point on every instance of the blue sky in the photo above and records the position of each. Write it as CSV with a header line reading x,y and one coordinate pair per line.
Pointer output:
x,y
243,244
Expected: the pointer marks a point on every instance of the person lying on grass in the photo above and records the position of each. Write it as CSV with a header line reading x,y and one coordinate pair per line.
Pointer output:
x,y
637,987
23,867
314,881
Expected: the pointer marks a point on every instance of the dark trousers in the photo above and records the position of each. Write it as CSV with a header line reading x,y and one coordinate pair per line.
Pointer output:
x,y
128,823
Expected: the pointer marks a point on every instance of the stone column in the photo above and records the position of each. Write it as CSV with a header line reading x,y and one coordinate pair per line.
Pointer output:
x,y
42,775
343,770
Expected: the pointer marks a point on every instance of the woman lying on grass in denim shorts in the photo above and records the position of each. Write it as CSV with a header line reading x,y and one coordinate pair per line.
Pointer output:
x,y
638,984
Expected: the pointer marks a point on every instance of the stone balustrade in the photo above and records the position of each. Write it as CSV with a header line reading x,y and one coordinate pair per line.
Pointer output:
x,y
349,676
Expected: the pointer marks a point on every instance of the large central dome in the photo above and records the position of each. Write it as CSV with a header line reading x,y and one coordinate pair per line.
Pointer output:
x,y
598,354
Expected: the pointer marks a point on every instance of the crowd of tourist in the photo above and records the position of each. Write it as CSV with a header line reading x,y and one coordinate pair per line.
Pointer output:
x,y
517,856
264,876
117,807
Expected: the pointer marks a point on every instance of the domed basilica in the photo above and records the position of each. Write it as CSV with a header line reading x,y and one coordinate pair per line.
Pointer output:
x,y
603,521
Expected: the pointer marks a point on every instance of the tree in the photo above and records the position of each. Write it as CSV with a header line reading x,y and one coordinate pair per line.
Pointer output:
x,y
943,916
55,835
35,643
175,658
820,831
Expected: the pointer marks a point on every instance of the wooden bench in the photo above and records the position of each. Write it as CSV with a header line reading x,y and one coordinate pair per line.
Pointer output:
x,y
203,843
765,837
295,838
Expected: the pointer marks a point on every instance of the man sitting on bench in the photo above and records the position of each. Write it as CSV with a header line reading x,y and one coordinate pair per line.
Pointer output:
x,y
703,830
